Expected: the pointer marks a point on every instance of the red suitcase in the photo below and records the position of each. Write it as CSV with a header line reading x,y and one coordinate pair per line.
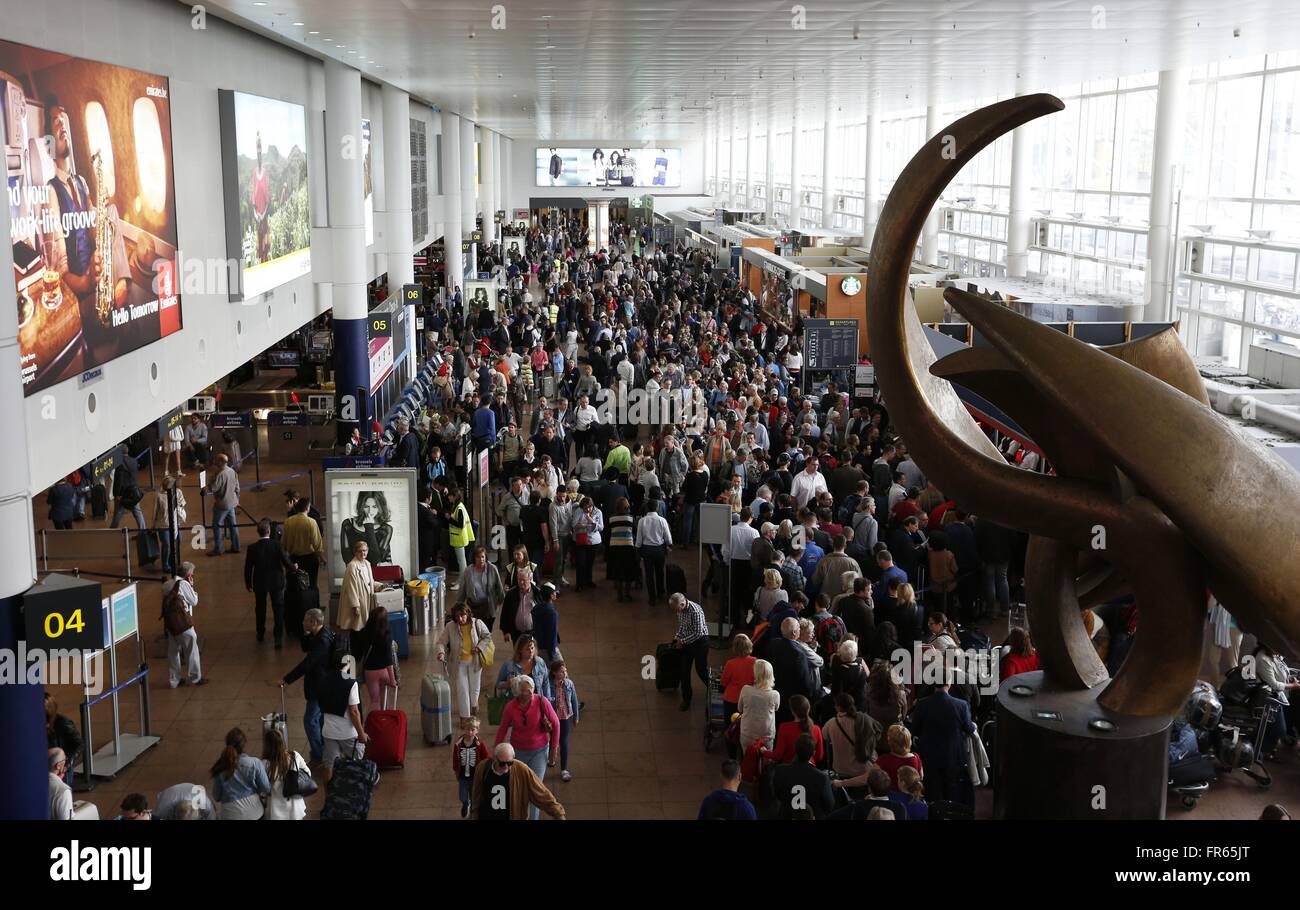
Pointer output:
x,y
387,732
389,574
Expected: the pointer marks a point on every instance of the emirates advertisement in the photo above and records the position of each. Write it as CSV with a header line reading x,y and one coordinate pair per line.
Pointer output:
x,y
88,156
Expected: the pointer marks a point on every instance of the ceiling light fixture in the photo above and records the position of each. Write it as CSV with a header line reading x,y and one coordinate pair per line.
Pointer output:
x,y
299,24
314,33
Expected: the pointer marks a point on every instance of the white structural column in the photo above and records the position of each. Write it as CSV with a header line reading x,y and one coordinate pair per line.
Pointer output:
x,y
828,200
508,201
871,175
731,154
498,196
487,154
769,192
796,185
747,203
930,235
397,186
717,153
1166,161
468,190
1018,222
451,201
347,233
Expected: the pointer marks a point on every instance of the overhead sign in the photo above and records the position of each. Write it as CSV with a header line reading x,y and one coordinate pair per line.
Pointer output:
x,y
63,612
172,418
830,343
379,331
286,419
413,294
232,419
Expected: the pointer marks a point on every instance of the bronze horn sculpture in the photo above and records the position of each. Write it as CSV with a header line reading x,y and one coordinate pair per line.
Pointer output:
x,y
1152,492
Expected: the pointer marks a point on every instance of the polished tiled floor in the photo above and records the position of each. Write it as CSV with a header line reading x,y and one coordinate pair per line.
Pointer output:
x,y
634,754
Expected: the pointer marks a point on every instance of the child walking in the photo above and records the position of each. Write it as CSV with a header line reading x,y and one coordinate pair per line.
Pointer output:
x,y
564,699
468,751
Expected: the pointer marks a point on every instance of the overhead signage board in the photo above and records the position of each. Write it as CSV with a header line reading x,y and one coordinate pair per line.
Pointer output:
x,y
830,343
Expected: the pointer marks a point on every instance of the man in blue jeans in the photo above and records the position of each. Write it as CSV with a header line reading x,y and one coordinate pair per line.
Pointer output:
x,y
224,491
319,642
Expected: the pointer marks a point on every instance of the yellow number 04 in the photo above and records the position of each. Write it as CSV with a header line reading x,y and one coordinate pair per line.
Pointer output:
x,y
73,622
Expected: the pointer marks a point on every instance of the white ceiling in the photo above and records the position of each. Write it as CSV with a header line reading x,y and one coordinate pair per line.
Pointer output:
x,y
653,70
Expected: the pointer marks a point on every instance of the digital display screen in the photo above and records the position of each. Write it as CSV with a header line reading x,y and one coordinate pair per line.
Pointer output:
x,y
609,166
264,165
92,210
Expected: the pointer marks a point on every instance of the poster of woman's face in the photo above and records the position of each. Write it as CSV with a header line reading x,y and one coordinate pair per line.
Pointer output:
x,y
371,511
481,294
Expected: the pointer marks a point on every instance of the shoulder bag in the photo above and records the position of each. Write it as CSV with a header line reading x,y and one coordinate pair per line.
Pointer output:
x,y
485,648
298,780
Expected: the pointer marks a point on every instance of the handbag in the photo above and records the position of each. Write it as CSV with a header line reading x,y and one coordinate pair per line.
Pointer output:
x,y
298,780
496,708
487,650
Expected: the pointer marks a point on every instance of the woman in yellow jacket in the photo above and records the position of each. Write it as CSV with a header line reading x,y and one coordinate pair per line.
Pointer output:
x,y
460,532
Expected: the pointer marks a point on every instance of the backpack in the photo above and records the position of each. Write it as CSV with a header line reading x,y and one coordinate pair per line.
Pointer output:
x,y
844,515
176,619
972,639
830,632
131,497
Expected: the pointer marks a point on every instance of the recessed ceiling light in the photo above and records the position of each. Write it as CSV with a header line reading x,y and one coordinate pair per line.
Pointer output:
x,y
316,33
299,24
259,3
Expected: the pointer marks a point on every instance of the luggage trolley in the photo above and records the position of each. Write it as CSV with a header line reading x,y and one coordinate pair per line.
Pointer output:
x,y
715,720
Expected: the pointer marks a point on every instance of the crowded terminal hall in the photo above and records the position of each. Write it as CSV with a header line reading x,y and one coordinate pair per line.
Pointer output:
x,y
673,412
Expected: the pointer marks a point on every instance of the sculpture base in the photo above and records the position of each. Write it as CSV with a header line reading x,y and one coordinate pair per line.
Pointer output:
x,y
1052,762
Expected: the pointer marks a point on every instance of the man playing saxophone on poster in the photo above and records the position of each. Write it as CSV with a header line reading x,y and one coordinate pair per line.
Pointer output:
x,y
73,251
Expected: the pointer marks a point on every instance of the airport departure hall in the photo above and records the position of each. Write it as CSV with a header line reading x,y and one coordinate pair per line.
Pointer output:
x,y
608,411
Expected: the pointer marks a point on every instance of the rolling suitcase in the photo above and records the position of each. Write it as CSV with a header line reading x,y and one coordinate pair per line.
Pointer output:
x,y
146,547
350,790
668,662
675,579
435,710
399,627
387,732
98,501
279,721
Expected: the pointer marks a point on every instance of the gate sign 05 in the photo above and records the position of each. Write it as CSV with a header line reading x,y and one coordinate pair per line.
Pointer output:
x,y
830,344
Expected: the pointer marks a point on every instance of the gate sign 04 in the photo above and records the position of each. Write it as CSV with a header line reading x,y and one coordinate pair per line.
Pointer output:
x,y
830,344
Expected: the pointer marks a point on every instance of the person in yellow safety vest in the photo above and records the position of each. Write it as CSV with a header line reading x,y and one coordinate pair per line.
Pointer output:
x,y
460,532
554,312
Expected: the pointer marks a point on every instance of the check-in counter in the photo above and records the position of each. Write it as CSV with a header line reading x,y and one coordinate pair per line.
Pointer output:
x,y
297,437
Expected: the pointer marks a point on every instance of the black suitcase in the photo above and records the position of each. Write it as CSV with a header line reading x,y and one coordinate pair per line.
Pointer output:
x,y
675,579
668,667
1196,768
350,790
297,601
146,547
98,501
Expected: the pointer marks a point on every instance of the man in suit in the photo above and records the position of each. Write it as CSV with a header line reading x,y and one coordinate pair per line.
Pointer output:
x,y
406,452
264,568
941,724
794,673
814,784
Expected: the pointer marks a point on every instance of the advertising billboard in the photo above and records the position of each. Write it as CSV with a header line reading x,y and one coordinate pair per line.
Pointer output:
x,y
375,505
264,169
646,167
88,161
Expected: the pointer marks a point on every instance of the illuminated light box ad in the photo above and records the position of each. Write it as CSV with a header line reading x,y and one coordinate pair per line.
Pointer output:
x,y
264,167
377,506
644,167
88,155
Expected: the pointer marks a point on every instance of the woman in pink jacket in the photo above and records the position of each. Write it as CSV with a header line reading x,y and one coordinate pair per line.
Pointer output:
x,y
530,724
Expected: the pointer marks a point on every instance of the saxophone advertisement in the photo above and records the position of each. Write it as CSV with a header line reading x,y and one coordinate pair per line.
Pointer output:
x,y
264,165
88,160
